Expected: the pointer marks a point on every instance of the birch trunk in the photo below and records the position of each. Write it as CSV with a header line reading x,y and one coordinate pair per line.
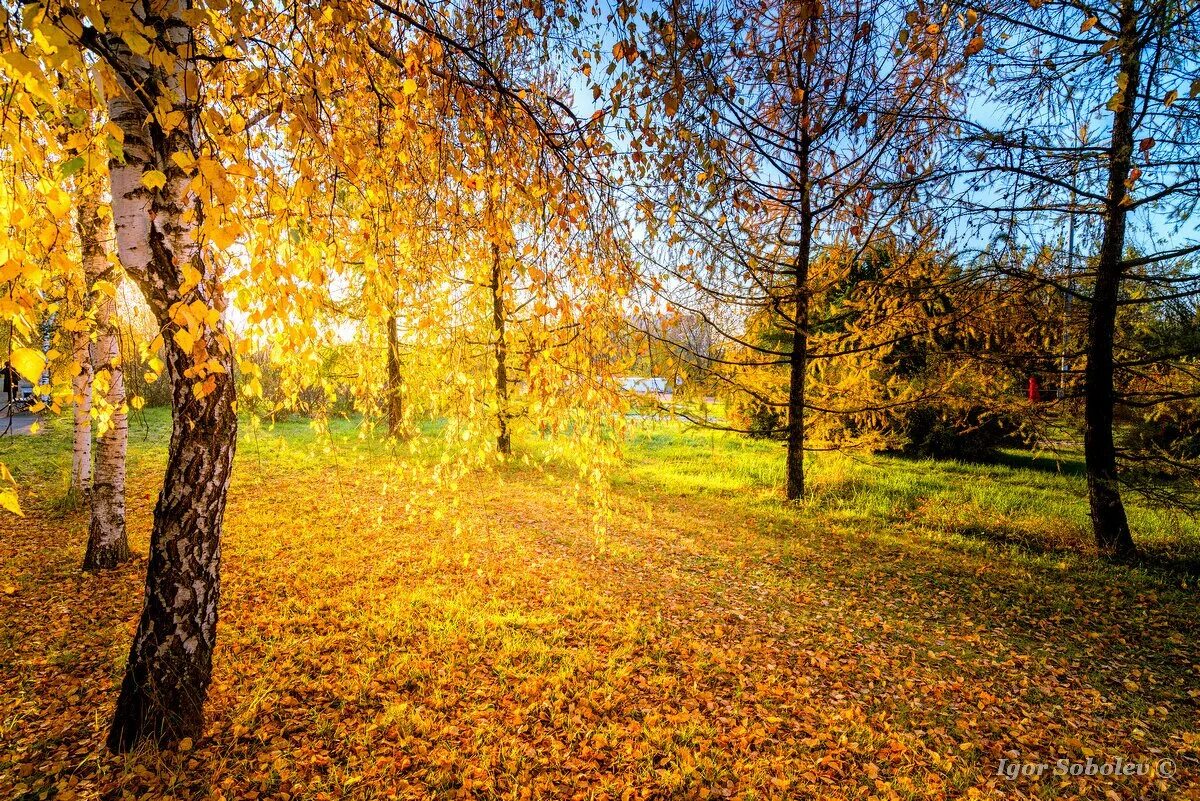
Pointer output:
x,y
81,385
170,661
108,544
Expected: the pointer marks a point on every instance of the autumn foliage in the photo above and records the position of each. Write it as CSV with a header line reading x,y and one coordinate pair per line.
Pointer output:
x,y
482,252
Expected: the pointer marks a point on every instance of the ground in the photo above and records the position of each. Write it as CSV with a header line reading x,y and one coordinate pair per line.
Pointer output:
x,y
894,636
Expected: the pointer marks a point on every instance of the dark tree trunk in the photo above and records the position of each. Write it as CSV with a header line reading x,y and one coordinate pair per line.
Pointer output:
x,y
798,367
1109,522
395,382
798,361
503,438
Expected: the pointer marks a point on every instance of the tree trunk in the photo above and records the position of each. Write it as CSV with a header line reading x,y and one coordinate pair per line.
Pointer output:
x,y
81,384
170,662
503,438
1109,522
395,382
798,367
108,545
798,361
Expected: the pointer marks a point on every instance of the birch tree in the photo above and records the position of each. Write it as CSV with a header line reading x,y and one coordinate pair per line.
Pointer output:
x,y
108,543
98,383
158,215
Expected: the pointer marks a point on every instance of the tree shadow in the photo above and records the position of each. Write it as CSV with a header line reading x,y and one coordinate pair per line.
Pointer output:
x,y
1180,561
1066,465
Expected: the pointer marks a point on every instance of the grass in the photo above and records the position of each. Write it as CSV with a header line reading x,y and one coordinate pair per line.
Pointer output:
x,y
893,636
1035,503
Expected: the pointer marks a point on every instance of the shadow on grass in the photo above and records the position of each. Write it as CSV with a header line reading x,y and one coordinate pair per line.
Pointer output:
x,y
1180,562
1066,465
1045,463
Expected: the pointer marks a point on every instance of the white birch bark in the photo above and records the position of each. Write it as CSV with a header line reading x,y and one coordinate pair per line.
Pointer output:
x,y
108,544
170,661
81,384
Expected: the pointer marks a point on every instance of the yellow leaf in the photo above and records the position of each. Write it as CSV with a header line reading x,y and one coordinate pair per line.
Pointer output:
x,y
223,238
172,120
191,279
242,170
29,363
21,66
8,500
154,179
92,12
137,43
184,340
204,388
410,86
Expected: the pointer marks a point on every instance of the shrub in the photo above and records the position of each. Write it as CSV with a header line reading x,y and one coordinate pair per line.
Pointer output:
x,y
1172,429
759,420
971,433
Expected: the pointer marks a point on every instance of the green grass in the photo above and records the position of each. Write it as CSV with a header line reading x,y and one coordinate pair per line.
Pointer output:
x,y
1031,506
1034,505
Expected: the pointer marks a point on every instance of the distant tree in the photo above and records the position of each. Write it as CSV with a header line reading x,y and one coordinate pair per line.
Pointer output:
x,y
766,133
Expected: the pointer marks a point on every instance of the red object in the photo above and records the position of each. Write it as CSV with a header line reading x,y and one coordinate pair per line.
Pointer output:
x,y
1035,389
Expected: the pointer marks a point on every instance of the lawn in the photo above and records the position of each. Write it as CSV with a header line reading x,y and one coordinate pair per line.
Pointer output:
x,y
896,635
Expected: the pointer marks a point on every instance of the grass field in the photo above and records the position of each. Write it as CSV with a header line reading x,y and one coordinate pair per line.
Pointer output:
x,y
894,636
